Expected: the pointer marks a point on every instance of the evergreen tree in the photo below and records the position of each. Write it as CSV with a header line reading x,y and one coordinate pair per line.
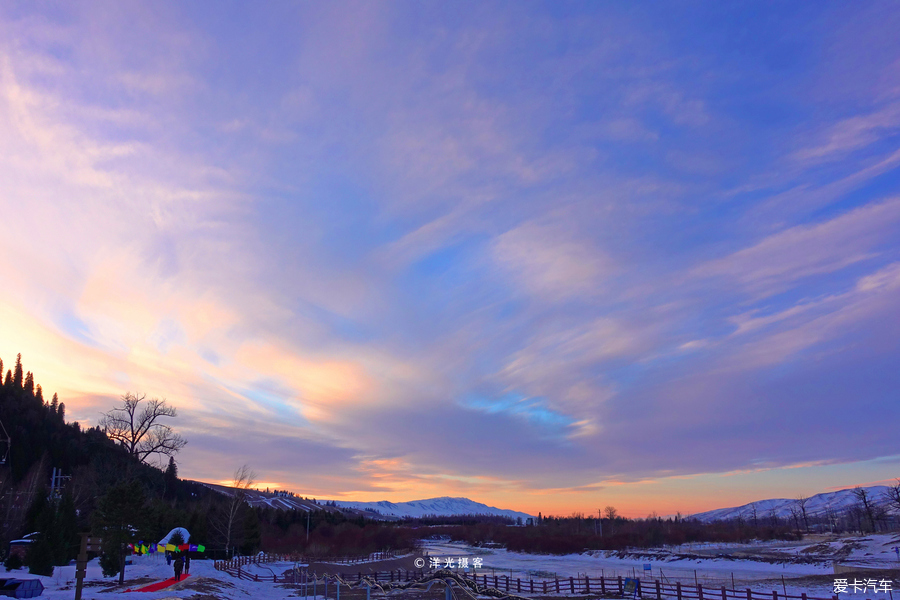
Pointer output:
x,y
9,379
252,535
17,375
61,411
39,394
118,519
67,526
41,552
28,384
171,478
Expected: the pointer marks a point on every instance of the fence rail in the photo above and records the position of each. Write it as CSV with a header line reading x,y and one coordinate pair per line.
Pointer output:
x,y
650,589
262,558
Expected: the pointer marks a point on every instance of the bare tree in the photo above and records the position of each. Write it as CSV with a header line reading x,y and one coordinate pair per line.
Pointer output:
x,y
892,496
227,521
802,501
865,505
138,429
612,514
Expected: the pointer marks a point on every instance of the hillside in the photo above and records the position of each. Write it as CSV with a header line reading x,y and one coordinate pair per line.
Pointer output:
x,y
442,507
818,505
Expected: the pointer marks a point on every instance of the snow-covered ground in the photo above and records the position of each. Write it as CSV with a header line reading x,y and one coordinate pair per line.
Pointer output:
x,y
204,582
713,565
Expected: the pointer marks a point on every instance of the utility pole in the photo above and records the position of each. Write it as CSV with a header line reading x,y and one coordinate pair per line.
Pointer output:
x,y
307,525
600,520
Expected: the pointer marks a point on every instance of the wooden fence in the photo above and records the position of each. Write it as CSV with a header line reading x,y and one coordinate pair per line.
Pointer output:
x,y
262,558
652,589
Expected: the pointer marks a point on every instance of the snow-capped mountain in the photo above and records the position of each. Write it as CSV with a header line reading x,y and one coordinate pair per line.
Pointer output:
x,y
835,502
443,507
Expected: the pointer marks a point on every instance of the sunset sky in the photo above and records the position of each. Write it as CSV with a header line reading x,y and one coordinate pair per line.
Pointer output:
x,y
548,256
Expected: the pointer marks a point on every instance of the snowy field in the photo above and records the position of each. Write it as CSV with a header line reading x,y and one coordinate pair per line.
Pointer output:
x,y
713,565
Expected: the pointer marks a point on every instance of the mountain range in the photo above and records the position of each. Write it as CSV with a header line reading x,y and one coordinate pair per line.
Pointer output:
x,y
820,504
443,506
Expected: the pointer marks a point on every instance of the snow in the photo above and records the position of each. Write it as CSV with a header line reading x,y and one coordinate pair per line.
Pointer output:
x,y
204,579
820,504
185,536
444,506
668,563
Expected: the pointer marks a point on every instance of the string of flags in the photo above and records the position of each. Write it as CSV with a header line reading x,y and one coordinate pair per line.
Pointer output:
x,y
142,548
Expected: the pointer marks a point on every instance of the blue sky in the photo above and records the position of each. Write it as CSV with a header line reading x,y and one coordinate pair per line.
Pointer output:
x,y
546,255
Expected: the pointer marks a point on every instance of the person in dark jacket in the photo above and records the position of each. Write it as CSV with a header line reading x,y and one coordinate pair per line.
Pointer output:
x,y
179,565
187,564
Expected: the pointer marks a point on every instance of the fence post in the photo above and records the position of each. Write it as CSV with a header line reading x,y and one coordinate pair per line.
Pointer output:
x,y
658,591
572,584
587,584
724,596
678,589
602,584
699,591
774,594
531,581
518,585
506,577
749,594
557,585
545,587
621,589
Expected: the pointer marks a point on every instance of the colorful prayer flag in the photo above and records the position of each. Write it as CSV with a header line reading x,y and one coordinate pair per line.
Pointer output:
x,y
201,548
171,547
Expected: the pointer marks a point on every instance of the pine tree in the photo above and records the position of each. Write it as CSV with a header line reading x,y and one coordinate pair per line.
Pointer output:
x,y
41,551
61,411
9,379
28,384
39,394
54,404
171,478
67,528
252,533
118,515
17,375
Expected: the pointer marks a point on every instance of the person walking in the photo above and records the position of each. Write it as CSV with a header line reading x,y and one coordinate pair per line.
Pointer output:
x,y
187,565
179,565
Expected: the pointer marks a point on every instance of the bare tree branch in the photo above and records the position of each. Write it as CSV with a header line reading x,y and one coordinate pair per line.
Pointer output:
x,y
136,427
226,523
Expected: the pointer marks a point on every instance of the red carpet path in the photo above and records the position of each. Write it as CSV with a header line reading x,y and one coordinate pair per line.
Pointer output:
x,y
153,587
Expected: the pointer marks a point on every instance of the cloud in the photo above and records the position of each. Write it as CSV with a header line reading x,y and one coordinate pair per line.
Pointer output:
x,y
782,260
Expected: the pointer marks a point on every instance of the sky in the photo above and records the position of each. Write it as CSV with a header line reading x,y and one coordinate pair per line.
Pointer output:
x,y
548,256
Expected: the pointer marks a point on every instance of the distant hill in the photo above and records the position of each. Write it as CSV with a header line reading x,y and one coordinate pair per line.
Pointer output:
x,y
441,507
818,505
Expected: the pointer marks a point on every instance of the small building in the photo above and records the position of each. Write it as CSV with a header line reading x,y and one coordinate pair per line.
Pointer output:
x,y
20,547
